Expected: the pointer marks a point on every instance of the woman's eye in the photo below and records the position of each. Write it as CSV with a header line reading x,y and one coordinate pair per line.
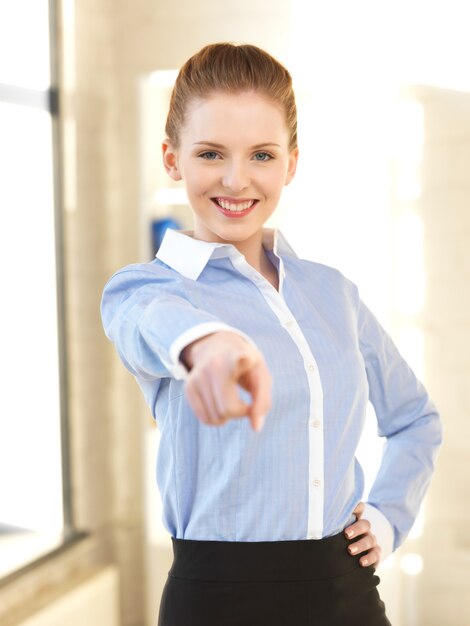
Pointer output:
x,y
262,156
210,156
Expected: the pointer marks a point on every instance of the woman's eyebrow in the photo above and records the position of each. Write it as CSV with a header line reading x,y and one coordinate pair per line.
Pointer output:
x,y
218,145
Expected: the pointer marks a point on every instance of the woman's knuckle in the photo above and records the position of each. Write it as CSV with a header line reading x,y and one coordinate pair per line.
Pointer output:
x,y
202,417
206,370
232,408
224,410
191,386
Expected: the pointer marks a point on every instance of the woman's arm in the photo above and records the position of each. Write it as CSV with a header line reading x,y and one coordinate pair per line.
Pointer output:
x,y
147,315
408,420
158,333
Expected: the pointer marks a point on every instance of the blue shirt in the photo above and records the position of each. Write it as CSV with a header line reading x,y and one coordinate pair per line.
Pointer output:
x,y
328,356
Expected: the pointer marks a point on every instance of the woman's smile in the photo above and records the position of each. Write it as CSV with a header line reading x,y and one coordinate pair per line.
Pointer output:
x,y
234,207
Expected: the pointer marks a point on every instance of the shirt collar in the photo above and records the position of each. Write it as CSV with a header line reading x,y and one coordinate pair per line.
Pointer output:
x,y
189,256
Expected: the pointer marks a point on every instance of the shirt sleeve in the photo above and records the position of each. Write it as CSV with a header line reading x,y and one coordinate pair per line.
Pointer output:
x,y
408,420
147,315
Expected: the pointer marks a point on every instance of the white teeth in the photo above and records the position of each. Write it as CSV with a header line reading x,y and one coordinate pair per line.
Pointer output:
x,y
242,206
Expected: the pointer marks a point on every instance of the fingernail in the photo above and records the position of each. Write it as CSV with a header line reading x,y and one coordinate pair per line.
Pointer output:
x,y
352,550
349,533
364,561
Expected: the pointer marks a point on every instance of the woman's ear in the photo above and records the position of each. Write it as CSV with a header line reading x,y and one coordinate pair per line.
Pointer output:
x,y
292,165
170,160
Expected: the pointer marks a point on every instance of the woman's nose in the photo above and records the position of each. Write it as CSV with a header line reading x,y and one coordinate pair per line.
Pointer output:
x,y
236,177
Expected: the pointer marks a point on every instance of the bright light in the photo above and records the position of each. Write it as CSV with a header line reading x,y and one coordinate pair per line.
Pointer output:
x,y
30,447
407,149
409,257
24,43
162,78
411,564
418,526
389,563
410,342
171,196
68,45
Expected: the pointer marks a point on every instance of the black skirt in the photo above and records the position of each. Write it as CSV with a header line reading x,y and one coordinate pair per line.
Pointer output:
x,y
272,583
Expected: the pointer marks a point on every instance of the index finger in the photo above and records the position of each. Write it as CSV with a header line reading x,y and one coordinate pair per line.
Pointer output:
x,y
359,510
258,382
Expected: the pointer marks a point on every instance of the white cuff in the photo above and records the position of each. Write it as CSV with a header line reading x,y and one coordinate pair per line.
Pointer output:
x,y
176,367
381,528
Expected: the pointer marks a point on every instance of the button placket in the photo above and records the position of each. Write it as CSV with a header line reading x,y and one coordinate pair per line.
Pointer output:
x,y
274,299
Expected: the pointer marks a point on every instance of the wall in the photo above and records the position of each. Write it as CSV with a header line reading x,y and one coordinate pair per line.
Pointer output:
x,y
100,235
444,205
95,601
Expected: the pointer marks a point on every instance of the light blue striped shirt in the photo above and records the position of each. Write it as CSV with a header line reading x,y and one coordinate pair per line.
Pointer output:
x,y
328,356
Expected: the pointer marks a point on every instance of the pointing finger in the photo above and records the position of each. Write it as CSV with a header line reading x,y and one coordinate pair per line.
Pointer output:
x,y
258,382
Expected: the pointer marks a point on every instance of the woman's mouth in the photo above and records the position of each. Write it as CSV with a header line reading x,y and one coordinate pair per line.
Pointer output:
x,y
233,207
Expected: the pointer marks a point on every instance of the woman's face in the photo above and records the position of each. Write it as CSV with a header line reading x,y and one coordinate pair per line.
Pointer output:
x,y
234,159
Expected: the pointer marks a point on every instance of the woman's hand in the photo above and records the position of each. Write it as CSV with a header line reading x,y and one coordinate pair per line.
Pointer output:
x,y
366,543
218,363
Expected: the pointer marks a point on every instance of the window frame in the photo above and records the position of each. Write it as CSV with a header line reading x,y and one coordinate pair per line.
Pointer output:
x,y
48,100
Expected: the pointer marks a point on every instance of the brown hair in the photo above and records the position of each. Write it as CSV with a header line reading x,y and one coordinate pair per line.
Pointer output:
x,y
233,68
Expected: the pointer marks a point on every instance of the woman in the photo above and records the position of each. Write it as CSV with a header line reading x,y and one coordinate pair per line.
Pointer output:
x,y
258,367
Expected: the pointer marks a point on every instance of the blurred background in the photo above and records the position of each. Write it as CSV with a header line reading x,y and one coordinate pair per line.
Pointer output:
x,y
382,193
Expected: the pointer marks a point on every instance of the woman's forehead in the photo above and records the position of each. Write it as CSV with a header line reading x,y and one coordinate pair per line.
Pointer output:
x,y
229,113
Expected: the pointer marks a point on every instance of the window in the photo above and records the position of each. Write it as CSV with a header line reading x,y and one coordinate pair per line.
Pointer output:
x,y
35,512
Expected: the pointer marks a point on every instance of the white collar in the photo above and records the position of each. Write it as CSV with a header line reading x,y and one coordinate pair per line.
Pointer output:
x,y
189,256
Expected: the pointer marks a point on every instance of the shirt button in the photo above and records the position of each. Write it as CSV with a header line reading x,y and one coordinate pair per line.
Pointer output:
x,y
316,482
289,323
315,423
311,367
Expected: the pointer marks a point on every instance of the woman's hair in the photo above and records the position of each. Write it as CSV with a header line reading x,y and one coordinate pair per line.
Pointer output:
x,y
225,67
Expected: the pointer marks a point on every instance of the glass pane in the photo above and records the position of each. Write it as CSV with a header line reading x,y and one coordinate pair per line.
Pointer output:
x,y
30,446
24,43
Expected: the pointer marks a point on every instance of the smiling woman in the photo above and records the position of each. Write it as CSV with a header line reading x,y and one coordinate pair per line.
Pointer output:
x,y
256,464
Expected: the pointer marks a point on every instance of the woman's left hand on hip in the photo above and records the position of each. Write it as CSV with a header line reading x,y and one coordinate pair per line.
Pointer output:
x,y
366,543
